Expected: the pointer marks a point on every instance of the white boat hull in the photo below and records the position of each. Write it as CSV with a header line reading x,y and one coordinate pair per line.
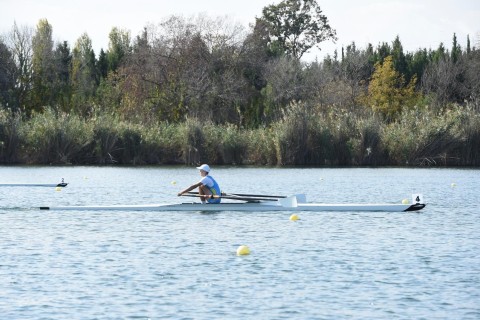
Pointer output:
x,y
260,206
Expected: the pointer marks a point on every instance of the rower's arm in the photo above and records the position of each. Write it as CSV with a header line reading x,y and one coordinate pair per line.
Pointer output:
x,y
193,186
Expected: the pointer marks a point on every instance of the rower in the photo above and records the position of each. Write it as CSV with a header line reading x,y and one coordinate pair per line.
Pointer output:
x,y
208,188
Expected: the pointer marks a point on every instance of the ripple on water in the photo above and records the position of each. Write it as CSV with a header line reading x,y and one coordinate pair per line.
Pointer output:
x,y
134,265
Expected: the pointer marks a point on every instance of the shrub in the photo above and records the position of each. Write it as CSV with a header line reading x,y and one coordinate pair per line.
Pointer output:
x,y
291,135
10,124
260,148
162,144
299,137
232,147
55,138
469,130
198,142
105,139
366,147
423,137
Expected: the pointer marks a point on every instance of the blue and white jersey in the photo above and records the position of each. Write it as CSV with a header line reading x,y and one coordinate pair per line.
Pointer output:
x,y
213,186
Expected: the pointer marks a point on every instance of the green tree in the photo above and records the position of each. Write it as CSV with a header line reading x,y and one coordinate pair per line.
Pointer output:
x,y
387,91
296,26
43,65
398,58
439,54
456,49
62,86
102,64
468,45
417,63
118,47
83,76
256,52
383,51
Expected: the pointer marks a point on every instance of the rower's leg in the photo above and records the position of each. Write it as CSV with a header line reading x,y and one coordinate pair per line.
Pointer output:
x,y
204,191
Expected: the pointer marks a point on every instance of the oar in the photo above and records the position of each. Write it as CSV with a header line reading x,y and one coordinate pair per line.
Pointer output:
x,y
247,195
255,195
287,202
229,197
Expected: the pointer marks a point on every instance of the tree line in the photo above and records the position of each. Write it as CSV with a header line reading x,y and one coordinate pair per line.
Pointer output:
x,y
222,74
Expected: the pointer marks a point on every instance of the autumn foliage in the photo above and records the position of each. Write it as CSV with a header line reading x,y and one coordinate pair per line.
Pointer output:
x,y
388,93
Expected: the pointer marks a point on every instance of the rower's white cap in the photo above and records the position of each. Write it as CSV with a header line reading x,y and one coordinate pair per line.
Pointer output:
x,y
204,167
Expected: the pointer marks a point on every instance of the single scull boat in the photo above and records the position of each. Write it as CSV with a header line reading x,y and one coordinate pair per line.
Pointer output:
x,y
292,203
53,185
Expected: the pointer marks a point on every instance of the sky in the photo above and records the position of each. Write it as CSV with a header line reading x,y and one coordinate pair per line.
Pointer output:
x,y
418,23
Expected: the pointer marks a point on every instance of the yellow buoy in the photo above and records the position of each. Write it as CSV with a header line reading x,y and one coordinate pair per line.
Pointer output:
x,y
58,189
174,182
453,185
405,201
243,250
294,217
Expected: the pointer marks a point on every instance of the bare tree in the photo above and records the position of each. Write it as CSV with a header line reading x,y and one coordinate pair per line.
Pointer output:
x,y
190,68
284,85
7,76
472,78
440,79
19,43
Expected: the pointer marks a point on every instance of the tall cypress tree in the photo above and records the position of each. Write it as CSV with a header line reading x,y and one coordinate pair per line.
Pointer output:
x,y
119,47
398,58
84,75
456,50
43,65
417,64
468,45
102,65
62,86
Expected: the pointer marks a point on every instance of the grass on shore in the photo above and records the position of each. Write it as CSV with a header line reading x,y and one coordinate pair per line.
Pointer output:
x,y
303,136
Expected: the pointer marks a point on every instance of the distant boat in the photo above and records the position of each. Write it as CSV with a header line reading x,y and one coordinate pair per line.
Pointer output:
x,y
52,185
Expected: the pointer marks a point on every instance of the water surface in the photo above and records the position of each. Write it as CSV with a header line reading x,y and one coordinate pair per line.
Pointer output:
x,y
159,265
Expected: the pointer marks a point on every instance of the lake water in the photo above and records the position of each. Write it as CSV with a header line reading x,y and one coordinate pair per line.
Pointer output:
x,y
179,265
